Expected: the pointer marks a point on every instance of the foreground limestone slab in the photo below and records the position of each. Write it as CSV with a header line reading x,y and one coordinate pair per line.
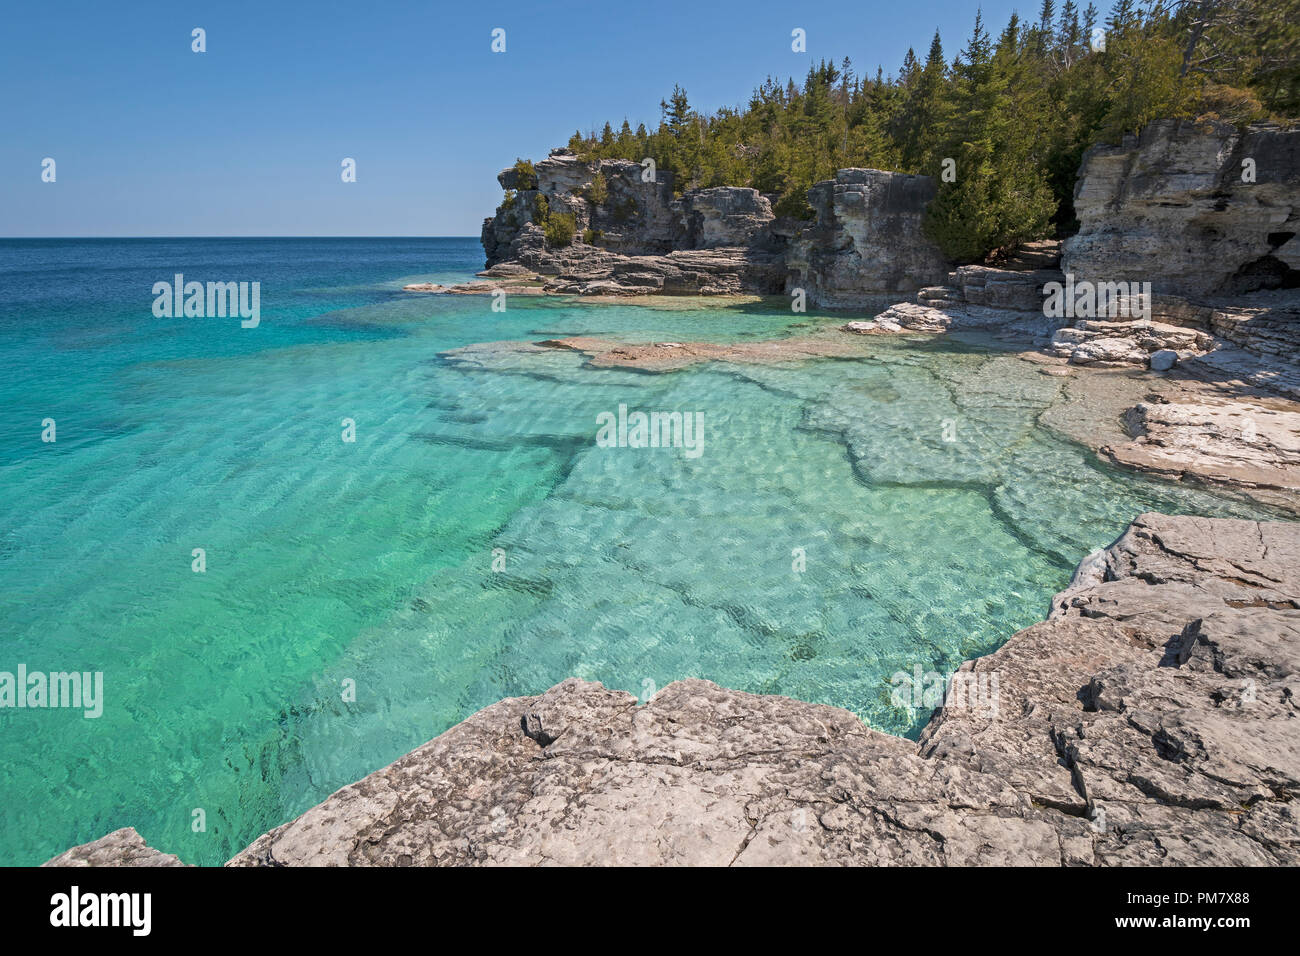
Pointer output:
x,y
122,847
1241,443
1151,720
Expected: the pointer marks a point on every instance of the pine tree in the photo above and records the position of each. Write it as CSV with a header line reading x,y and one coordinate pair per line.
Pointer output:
x,y
1045,17
1015,113
677,112
1089,23
1001,196
909,67
1067,33
1121,16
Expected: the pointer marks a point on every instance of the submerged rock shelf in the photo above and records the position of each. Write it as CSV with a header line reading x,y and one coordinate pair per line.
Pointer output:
x,y
1150,720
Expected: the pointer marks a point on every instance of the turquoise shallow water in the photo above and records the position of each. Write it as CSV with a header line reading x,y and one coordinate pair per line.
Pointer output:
x,y
372,561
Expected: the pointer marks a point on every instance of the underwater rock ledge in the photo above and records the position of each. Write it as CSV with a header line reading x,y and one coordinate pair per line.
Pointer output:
x,y
1150,720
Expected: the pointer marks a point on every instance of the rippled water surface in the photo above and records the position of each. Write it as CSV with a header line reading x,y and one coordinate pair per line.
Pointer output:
x,y
372,561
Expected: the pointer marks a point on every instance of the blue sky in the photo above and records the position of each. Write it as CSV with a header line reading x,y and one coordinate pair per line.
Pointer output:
x,y
152,139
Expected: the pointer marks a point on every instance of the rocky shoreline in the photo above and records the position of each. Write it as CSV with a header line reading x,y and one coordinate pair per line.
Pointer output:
x,y
1172,207
1186,248
1150,720
1200,260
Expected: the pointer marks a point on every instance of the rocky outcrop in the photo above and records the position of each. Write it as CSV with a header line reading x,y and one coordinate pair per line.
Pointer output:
x,y
1206,214
1229,419
1177,330
1267,324
633,238
1196,209
581,269
1107,343
668,356
866,241
122,847
1151,720
1010,302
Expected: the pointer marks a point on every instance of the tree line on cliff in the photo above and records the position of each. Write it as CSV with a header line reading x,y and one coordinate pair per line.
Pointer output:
x,y
1008,118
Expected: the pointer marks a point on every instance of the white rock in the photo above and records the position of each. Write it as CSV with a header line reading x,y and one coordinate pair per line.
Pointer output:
x,y
1163,360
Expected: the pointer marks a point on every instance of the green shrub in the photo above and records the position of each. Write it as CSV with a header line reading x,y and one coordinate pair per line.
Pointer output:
x,y
1229,104
999,201
559,228
592,236
794,203
525,174
598,190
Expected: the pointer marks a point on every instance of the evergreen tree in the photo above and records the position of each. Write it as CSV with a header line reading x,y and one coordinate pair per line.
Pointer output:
x,y
1045,15
1015,113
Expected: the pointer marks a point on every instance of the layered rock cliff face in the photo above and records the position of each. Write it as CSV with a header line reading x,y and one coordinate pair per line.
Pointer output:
x,y
1204,213
637,216
864,247
1171,207
1151,720
642,240
1198,210
1006,301
866,241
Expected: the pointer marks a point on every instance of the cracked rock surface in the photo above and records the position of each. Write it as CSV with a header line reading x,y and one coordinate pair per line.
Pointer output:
x,y
122,847
1151,720
1239,443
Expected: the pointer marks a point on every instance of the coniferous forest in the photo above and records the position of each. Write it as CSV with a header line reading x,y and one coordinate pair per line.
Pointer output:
x,y
1013,111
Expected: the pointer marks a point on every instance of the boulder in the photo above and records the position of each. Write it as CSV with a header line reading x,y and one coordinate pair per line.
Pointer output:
x,y
1163,360
1239,442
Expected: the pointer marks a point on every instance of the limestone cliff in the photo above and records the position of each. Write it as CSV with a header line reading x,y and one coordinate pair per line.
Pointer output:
x,y
1197,210
1205,213
632,237
1194,209
866,241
